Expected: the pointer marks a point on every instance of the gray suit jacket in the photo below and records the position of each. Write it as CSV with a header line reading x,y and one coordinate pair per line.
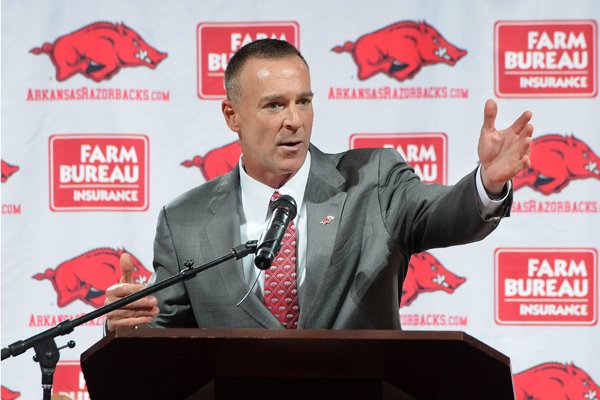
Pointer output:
x,y
355,265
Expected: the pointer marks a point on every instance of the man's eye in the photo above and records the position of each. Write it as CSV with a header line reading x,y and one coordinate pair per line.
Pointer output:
x,y
273,106
305,102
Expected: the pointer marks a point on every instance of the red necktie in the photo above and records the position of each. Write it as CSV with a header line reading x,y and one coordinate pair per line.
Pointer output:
x,y
281,289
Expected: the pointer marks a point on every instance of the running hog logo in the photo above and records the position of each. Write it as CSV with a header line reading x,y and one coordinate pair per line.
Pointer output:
x,y
8,394
555,381
87,276
400,50
98,51
218,161
427,274
8,170
555,161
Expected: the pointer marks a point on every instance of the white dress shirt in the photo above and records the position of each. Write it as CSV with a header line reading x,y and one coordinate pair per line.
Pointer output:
x,y
256,198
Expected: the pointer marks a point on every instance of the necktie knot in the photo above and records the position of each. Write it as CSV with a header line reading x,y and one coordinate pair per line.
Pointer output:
x,y
275,196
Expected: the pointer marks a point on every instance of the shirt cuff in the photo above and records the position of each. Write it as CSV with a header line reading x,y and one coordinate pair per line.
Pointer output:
x,y
490,205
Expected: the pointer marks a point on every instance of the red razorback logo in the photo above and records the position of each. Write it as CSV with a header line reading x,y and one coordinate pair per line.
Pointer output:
x,y
8,170
555,381
555,161
400,50
218,161
427,274
87,276
98,51
8,394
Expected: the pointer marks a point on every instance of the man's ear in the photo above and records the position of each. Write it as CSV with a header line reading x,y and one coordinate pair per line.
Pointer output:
x,y
230,115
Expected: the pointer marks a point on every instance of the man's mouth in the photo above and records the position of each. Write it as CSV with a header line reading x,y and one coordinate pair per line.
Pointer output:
x,y
291,146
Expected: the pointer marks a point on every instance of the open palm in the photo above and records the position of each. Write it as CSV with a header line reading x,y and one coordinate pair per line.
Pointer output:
x,y
503,153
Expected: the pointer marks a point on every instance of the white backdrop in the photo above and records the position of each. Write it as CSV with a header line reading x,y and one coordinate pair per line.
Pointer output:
x,y
67,108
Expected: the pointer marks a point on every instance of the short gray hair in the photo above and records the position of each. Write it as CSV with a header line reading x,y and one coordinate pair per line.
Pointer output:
x,y
272,49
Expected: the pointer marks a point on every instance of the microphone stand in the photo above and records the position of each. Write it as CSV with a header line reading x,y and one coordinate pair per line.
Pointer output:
x,y
47,353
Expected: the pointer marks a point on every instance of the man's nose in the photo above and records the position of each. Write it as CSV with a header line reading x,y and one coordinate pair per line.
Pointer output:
x,y
293,119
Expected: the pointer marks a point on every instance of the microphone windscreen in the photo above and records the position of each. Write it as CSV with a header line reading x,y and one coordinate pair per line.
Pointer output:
x,y
285,201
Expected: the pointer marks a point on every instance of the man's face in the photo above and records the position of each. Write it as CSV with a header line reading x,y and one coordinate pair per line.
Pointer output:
x,y
273,117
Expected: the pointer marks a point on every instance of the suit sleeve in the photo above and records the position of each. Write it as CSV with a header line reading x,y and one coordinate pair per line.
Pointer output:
x,y
421,216
173,302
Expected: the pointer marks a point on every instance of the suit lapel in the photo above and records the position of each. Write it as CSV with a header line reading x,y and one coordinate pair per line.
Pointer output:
x,y
323,199
224,226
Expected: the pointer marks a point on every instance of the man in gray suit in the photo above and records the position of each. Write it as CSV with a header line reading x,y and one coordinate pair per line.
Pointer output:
x,y
361,214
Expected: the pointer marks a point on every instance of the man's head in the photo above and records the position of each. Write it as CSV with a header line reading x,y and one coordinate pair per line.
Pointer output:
x,y
269,106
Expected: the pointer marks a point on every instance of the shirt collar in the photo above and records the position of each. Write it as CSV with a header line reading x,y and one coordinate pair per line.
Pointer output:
x,y
255,193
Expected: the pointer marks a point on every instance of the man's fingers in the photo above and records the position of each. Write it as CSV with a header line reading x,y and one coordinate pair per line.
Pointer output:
x,y
529,130
522,123
139,312
489,114
145,303
525,145
120,290
127,268
124,314
123,289
128,322
525,162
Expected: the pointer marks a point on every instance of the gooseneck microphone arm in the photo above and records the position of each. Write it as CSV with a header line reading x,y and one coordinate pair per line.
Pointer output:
x,y
48,353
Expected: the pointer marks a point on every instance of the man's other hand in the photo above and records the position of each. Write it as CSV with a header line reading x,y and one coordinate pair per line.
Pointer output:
x,y
139,312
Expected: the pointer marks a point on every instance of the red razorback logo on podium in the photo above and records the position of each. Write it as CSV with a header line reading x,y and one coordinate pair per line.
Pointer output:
x,y
98,51
218,161
87,276
555,381
556,161
8,170
427,274
400,50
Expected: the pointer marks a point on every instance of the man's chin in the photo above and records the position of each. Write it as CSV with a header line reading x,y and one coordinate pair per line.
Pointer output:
x,y
292,162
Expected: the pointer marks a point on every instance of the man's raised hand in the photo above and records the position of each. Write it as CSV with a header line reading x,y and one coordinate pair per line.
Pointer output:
x,y
503,153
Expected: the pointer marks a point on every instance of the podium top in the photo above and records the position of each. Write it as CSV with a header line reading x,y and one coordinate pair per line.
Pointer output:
x,y
297,335
434,364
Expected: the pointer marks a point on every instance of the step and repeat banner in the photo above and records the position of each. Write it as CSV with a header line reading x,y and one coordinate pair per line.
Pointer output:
x,y
112,108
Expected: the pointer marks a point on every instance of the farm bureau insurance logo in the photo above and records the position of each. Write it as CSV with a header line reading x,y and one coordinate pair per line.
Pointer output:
x,y
556,161
217,42
98,51
427,153
92,172
546,58
399,51
546,286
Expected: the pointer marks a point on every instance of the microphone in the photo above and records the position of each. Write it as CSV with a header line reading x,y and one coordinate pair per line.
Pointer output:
x,y
269,244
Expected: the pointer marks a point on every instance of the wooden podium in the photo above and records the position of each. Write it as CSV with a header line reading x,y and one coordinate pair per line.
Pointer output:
x,y
304,364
